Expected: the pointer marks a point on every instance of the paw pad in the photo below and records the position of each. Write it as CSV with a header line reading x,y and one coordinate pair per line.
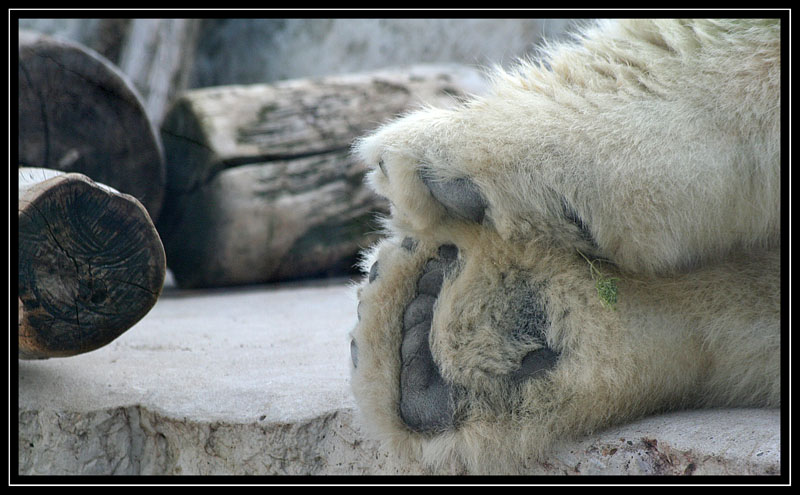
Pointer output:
x,y
426,400
534,364
409,244
428,403
461,197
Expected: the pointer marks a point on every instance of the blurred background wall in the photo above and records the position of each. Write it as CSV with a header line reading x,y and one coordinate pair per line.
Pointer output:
x,y
165,56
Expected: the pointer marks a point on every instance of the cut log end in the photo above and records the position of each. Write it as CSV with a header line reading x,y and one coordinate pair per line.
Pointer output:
x,y
91,265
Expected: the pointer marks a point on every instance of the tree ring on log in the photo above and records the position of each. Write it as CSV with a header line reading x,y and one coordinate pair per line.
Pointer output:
x,y
90,266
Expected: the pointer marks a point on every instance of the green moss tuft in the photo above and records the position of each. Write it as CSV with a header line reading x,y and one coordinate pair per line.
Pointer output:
x,y
606,286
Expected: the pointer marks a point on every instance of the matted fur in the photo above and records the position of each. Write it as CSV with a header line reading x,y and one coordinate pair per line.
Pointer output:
x,y
663,137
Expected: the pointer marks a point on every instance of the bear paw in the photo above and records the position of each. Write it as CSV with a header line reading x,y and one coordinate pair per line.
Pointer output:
x,y
434,180
434,352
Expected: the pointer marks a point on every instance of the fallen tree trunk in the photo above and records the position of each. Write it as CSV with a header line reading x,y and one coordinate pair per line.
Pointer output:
x,y
90,263
261,185
79,113
285,220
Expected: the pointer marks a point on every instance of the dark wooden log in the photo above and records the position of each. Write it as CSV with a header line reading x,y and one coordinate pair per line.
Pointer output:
x,y
79,113
261,185
90,263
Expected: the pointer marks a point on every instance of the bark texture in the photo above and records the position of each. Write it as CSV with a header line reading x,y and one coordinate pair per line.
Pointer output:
x,y
261,185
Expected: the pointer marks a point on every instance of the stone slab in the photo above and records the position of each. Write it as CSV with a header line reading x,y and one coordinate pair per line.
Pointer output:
x,y
255,381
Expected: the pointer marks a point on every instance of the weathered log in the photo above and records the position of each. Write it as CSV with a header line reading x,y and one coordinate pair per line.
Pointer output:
x,y
79,113
261,185
276,221
90,263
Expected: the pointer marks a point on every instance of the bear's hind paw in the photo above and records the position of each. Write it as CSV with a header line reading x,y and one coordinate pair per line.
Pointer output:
x,y
425,401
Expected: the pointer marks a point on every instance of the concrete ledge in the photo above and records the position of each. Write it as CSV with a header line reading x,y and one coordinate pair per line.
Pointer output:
x,y
255,381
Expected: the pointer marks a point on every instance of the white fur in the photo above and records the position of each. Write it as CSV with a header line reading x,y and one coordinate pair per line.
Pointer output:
x,y
663,136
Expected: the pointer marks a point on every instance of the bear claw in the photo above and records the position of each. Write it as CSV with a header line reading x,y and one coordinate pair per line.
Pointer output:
x,y
354,352
373,272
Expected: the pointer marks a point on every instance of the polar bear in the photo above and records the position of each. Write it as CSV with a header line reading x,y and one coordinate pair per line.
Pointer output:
x,y
594,240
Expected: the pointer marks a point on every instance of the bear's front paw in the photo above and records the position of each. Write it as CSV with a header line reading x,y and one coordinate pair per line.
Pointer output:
x,y
439,176
414,168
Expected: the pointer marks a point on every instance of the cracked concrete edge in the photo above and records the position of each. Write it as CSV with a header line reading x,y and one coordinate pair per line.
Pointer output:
x,y
135,440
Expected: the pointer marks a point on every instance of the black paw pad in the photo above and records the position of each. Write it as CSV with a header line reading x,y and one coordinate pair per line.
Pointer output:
x,y
535,364
426,400
528,323
461,197
409,244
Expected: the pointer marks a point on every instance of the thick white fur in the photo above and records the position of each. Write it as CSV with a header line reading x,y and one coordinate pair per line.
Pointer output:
x,y
710,337
664,137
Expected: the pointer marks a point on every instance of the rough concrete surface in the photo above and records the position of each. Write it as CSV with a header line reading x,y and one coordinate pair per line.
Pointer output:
x,y
255,381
